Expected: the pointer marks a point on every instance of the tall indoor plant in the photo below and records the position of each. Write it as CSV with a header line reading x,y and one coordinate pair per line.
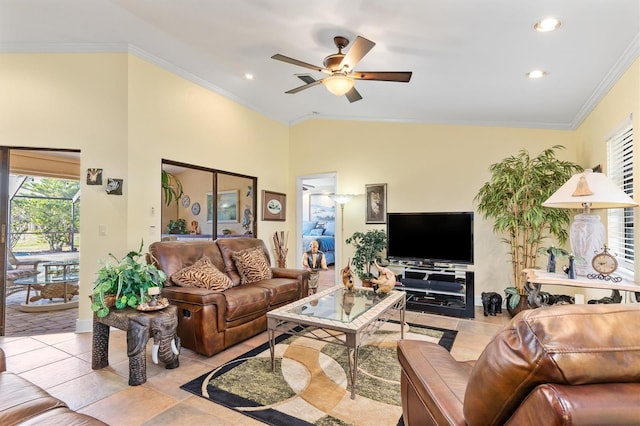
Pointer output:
x,y
368,248
513,198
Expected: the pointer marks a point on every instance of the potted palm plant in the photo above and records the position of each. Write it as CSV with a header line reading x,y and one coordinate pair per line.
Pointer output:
x,y
127,280
368,249
513,198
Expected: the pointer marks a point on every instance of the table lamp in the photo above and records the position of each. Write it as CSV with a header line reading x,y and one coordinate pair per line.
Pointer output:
x,y
341,199
586,191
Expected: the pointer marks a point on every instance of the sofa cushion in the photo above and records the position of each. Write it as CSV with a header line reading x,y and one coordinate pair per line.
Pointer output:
x,y
245,301
252,265
202,274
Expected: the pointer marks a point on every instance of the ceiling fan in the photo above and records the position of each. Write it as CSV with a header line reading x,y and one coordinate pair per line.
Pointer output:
x,y
340,67
306,186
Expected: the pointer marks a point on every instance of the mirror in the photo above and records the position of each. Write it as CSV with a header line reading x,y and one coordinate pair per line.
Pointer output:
x,y
190,211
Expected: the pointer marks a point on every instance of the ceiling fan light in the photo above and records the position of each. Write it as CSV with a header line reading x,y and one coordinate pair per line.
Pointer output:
x,y
338,84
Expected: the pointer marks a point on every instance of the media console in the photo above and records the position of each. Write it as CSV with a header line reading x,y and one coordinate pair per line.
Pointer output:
x,y
444,289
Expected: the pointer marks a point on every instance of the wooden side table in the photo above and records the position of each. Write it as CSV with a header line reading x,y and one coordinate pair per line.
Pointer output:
x,y
140,326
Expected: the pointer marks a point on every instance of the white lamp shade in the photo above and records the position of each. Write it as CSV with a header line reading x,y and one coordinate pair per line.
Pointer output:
x,y
604,193
341,198
338,84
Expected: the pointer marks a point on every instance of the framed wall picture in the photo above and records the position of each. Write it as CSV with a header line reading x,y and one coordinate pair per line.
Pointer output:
x,y
321,207
274,205
94,176
228,206
376,203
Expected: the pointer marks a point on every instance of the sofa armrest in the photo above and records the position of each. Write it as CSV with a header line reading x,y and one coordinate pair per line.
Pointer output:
x,y
432,384
596,404
3,361
301,275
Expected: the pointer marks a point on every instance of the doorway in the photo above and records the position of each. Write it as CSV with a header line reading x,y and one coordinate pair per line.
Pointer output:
x,y
39,241
316,219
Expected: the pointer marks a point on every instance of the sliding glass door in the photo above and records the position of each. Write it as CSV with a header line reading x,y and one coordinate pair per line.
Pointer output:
x,y
4,229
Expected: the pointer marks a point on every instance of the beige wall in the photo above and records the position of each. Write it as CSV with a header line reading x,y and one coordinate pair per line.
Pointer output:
x,y
622,102
125,115
426,168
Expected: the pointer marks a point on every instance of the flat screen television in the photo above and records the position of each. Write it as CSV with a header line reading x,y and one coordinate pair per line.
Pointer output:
x,y
443,237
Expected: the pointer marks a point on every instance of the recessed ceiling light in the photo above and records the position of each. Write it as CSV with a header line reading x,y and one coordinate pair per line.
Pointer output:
x,y
249,76
536,74
547,24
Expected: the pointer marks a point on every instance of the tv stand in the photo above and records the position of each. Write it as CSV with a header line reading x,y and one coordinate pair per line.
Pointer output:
x,y
442,289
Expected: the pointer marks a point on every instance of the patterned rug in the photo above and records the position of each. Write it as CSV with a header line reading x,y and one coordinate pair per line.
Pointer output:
x,y
309,386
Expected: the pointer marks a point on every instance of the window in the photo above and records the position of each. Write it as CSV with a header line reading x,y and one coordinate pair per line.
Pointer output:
x,y
620,221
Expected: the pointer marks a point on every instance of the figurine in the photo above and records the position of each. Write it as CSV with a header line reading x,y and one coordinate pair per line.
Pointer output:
x,y
571,269
195,229
386,281
551,266
347,276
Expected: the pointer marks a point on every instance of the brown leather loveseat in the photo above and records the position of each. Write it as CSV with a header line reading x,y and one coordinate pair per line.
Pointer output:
x,y
559,365
22,402
210,321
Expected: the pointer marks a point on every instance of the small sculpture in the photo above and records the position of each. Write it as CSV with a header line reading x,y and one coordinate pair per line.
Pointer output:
x,y
347,276
551,265
195,228
491,303
570,270
386,280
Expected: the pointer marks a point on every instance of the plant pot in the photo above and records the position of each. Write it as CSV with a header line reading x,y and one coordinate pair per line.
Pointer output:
x,y
367,283
521,306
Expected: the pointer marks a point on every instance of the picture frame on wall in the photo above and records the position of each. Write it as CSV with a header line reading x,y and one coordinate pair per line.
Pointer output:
x,y
228,207
376,203
274,206
321,207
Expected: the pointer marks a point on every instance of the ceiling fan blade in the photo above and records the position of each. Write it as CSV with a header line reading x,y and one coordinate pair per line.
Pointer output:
x,y
356,52
353,95
303,87
306,78
279,57
400,76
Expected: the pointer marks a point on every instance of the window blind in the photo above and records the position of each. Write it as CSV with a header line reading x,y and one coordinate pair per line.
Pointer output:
x,y
620,221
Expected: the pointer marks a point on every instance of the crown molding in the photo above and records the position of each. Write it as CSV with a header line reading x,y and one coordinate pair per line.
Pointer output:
x,y
621,66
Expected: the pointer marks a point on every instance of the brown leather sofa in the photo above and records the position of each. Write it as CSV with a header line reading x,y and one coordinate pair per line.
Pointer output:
x,y
559,365
210,321
22,402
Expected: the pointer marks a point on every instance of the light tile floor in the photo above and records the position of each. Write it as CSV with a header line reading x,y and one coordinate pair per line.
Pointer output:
x,y
61,364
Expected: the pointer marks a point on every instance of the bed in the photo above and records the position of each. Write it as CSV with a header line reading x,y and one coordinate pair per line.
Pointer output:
x,y
324,233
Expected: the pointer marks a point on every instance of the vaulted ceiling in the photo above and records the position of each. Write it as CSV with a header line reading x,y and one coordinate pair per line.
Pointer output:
x,y
468,57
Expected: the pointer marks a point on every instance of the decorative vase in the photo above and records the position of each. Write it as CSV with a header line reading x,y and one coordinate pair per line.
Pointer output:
x,y
521,306
282,263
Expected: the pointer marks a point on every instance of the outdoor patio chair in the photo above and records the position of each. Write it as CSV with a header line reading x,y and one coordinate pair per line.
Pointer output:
x,y
18,268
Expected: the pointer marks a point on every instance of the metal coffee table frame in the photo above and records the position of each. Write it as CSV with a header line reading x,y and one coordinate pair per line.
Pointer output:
x,y
348,333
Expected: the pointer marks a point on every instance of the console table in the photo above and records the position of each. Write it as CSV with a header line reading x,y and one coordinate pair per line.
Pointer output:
x,y
537,278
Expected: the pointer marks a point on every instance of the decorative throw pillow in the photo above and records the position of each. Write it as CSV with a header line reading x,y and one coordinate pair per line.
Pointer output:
x,y
316,232
202,274
252,265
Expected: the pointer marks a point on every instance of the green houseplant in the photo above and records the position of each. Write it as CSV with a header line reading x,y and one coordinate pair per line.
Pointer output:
x,y
171,188
513,198
128,279
368,247
178,226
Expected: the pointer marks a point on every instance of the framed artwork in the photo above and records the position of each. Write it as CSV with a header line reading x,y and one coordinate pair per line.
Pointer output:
x,y
376,203
94,176
274,205
114,186
321,207
227,205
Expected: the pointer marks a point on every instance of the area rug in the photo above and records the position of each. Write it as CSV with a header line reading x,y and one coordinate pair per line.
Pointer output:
x,y
309,386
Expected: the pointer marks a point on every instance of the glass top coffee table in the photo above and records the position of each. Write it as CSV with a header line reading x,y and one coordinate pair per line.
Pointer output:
x,y
337,316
